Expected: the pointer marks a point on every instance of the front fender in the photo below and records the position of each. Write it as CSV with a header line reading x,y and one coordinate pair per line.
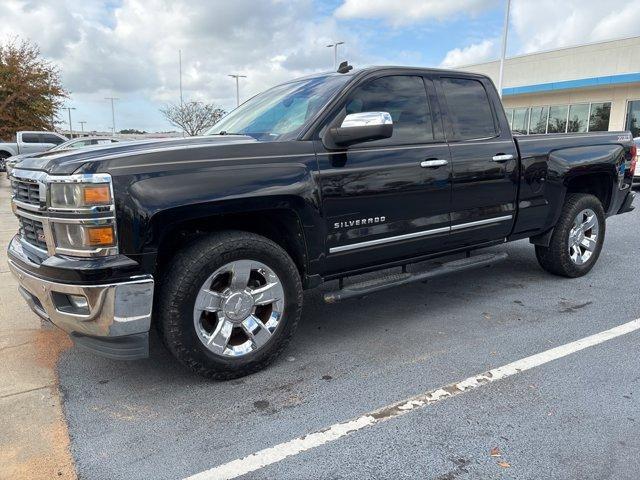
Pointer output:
x,y
152,204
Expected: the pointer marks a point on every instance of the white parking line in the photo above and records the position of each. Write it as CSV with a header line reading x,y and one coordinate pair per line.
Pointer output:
x,y
274,454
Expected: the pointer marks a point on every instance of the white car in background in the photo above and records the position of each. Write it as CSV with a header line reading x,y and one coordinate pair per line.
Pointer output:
x,y
27,142
83,142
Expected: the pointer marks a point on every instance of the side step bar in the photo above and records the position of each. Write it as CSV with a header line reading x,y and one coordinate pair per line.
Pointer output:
x,y
397,279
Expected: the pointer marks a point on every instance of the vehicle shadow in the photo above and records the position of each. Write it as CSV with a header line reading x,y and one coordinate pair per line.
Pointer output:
x,y
345,359
340,327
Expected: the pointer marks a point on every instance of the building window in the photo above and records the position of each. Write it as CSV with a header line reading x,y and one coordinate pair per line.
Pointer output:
x,y
538,121
599,118
578,118
558,119
509,113
520,120
633,118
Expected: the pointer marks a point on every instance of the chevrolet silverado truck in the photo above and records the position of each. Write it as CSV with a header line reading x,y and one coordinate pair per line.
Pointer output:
x,y
212,240
29,142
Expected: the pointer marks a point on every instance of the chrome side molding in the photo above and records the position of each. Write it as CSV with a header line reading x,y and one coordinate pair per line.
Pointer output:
x,y
423,233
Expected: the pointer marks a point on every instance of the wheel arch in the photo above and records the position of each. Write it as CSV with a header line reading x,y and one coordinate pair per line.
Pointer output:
x,y
598,184
279,223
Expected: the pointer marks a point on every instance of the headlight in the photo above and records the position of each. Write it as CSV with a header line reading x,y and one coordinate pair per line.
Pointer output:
x,y
77,237
80,195
82,215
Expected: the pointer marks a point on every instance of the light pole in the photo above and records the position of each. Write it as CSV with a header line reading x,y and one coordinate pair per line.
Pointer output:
x,y
113,113
237,77
505,32
180,67
82,126
68,109
335,53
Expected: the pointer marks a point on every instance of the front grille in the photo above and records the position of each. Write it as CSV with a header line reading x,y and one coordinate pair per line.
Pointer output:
x,y
33,232
25,191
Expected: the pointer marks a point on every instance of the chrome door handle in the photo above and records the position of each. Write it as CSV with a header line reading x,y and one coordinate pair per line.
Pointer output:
x,y
502,158
433,163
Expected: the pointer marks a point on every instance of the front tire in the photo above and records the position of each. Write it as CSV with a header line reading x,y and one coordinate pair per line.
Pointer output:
x,y
577,239
228,304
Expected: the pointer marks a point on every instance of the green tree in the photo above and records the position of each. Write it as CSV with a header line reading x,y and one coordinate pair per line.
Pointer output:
x,y
31,92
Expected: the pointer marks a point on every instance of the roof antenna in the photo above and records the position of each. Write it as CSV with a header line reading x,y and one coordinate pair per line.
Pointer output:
x,y
345,67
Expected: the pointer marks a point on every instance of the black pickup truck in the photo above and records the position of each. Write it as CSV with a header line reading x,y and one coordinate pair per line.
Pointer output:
x,y
213,239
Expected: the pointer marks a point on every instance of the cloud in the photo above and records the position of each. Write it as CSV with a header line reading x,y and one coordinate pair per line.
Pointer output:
x,y
404,12
549,24
534,29
130,48
474,53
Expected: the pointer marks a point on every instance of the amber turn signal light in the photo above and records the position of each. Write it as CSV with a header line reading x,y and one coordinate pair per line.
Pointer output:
x,y
100,236
97,195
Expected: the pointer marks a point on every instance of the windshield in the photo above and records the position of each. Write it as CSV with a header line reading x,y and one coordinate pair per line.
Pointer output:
x,y
281,112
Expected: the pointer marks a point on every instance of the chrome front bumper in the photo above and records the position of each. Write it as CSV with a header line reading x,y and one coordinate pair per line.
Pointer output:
x,y
115,322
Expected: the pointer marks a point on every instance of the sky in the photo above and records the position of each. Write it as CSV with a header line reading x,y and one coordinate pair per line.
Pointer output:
x,y
129,48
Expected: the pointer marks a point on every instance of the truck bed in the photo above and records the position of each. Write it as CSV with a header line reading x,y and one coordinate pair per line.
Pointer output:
x,y
545,144
550,161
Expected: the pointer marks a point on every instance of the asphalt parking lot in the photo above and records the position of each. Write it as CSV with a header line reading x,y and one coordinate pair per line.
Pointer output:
x,y
576,417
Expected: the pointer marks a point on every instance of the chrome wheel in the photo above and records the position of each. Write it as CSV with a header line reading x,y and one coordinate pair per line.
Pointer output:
x,y
238,308
583,236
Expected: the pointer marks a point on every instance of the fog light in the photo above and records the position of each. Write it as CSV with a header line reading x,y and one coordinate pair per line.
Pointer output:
x,y
73,304
79,302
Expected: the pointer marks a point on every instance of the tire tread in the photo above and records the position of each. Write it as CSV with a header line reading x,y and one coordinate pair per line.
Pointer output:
x,y
177,284
555,258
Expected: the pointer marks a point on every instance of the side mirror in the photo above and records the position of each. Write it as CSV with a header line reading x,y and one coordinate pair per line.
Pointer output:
x,y
361,127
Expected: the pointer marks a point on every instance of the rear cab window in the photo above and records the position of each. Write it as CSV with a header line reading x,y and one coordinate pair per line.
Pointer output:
x,y
470,113
48,138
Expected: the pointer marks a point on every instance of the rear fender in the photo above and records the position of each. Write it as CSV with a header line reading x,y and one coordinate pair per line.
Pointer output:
x,y
567,166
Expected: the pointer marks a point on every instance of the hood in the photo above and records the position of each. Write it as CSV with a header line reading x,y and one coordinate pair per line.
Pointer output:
x,y
20,157
66,162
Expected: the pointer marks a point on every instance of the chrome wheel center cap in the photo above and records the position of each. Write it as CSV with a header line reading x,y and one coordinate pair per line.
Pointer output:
x,y
238,306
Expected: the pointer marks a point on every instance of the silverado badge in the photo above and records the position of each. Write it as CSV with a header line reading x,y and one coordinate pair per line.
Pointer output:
x,y
359,222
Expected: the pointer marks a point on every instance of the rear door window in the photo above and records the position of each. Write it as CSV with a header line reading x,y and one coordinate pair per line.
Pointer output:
x,y
469,109
48,138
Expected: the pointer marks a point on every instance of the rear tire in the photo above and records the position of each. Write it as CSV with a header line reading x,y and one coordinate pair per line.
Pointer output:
x,y
229,304
577,238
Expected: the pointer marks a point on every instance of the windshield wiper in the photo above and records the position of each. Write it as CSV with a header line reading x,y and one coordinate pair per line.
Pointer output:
x,y
224,132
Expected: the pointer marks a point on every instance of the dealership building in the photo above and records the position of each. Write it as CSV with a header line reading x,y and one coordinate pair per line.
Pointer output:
x,y
593,87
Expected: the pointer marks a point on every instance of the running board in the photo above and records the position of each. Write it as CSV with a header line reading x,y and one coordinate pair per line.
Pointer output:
x,y
397,279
